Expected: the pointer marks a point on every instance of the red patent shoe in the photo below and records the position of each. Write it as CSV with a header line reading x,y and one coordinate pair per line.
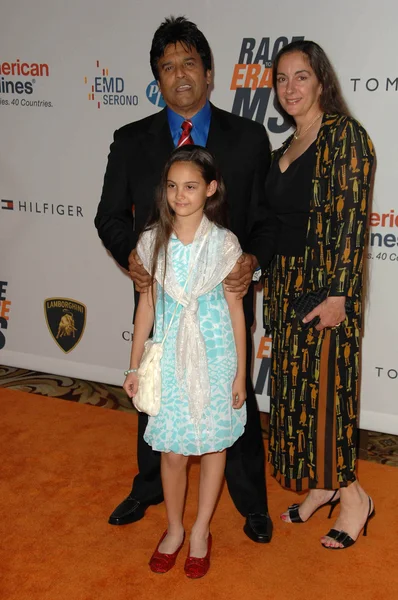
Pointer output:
x,y
197,567
161,562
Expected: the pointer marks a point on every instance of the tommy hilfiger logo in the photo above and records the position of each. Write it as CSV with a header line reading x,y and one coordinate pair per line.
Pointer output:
x,y
43,208
7,204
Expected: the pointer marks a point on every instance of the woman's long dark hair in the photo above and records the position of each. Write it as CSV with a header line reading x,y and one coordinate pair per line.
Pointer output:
x,y
331,99
162,219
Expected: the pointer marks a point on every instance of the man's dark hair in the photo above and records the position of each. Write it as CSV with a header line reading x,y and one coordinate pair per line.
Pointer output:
x,y
174,30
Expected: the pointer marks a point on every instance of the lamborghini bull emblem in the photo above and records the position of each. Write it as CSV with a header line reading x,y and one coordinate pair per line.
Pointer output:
x,y
66,326
66,319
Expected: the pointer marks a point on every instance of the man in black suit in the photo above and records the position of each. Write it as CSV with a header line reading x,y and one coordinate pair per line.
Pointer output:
x,y
181,63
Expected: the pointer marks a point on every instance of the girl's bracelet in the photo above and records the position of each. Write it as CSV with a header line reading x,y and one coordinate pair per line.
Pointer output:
x,y
130,371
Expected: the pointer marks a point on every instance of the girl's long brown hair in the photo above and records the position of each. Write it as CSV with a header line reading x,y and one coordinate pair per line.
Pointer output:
x,y
162,219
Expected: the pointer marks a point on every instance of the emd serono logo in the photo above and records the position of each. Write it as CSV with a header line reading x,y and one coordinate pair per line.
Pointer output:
x,y
21,69
252,80
109,90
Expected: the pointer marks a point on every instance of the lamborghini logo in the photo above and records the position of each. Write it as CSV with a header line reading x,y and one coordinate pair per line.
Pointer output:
x,y
66,320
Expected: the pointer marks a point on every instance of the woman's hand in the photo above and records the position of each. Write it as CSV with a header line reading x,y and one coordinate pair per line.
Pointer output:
x,y
138,274
130,385
331,312
238,392
240,277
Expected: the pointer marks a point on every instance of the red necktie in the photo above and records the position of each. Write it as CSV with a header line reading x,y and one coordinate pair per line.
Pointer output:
x,y
186,134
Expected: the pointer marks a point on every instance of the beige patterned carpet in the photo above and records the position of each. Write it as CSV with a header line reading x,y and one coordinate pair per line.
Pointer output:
x,y
381,448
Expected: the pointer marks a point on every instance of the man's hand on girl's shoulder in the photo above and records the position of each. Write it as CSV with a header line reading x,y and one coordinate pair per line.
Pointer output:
x,y
141,277
240,277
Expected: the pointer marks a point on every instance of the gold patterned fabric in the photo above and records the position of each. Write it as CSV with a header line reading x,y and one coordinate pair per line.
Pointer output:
x,y
315,375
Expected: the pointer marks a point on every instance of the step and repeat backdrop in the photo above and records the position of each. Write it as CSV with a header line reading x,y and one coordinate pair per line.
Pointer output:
x,y
73,72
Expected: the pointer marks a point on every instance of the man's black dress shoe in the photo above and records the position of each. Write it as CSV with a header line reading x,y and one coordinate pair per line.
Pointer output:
x,y
258,527
130,510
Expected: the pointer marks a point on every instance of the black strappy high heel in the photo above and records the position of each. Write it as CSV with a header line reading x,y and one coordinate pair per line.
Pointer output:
x,y
343,538
294,515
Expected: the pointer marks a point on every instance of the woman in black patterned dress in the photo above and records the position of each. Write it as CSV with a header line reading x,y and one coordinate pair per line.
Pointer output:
x,y
318,188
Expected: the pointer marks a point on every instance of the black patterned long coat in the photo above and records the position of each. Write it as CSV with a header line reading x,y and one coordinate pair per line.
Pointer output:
x,y
327,364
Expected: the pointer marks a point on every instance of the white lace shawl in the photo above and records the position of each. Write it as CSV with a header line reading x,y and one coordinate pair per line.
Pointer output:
x,y
210,262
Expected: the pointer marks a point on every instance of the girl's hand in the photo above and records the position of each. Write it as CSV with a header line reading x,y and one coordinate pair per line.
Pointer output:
x,y
238,392
130,385
331,312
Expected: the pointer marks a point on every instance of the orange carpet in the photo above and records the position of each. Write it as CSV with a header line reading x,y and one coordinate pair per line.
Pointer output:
x,y
65,466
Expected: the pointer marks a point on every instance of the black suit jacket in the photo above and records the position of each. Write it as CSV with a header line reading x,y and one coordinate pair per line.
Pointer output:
x,y
136,159
135,163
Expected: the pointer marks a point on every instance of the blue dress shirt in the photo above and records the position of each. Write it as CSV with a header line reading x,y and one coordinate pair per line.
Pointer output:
x,y
200,122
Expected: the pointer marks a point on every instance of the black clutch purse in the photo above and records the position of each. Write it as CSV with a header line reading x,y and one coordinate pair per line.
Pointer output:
x,y
305,303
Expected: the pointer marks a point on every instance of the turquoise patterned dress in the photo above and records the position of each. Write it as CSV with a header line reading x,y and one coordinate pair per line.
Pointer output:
x,y
221,425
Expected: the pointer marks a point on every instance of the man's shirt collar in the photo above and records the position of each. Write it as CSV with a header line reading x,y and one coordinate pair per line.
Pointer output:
x,y
200,123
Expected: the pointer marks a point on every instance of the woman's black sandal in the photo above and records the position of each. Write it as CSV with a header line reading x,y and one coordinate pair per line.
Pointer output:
x,y
294,515
343,538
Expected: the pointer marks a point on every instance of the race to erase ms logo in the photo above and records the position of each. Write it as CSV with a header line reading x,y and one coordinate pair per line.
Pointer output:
x,y
154,94
19,81
5,306
108,90
252,81
264,354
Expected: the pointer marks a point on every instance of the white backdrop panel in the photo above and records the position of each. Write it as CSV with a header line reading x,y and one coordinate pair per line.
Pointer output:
x,y
55,155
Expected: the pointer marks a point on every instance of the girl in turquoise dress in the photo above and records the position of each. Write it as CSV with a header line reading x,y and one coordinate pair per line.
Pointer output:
x,y
189,253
